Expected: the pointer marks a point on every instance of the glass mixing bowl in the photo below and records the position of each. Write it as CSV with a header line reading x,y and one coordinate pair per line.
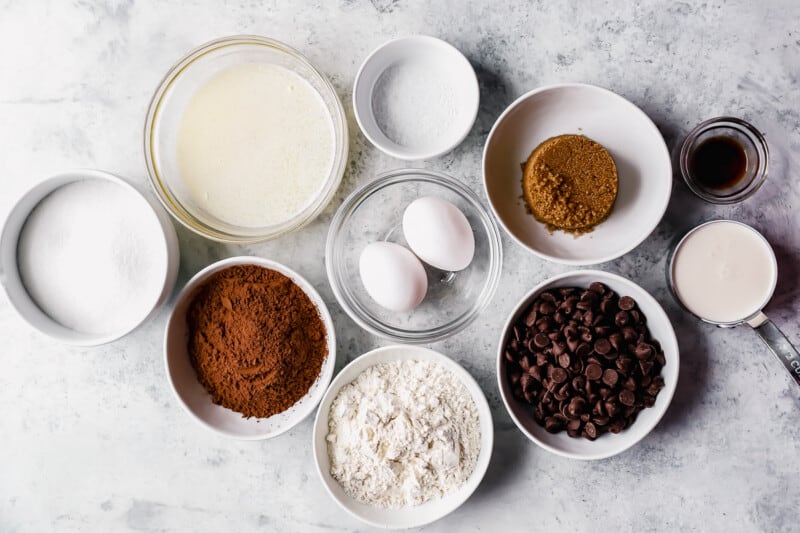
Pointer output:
x,y
375,213
164,118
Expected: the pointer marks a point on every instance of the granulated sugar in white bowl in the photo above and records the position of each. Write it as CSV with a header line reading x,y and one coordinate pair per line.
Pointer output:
x,y
87,258
416,97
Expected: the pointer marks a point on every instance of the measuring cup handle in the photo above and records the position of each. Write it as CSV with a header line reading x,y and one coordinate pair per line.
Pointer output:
x,y
778,344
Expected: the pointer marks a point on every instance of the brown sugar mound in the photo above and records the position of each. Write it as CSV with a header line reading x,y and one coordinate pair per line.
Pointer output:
x,y
256,340
570,183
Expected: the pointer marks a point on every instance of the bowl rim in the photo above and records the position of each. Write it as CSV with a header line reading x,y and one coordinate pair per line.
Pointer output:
x,y
670,340
359,106
661,208
339,287
343,378
326,373
329,185
15,222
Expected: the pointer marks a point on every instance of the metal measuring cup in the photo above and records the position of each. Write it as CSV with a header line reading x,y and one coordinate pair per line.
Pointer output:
x,y
773,337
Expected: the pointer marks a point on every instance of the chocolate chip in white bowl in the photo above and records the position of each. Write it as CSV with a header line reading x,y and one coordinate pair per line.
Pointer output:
x,y
584,360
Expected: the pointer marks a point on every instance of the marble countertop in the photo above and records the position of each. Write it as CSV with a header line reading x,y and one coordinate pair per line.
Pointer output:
x,y
92,439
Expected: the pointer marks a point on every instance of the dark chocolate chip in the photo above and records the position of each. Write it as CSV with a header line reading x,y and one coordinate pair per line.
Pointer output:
x,y
547,297
616,426
612,407
547,308
577,406
616,340
541,340
541,359
610,377
593,372
608,306
629,334
626,303
644,351
602,346
559,348
553,425
525,381
602,331
559,375
598,287
627,397
572,344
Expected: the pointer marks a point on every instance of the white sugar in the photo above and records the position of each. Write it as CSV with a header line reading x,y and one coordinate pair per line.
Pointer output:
x,y
92,258
415,105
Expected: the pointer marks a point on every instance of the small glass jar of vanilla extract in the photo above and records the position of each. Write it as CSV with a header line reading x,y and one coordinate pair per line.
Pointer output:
x,y
724,160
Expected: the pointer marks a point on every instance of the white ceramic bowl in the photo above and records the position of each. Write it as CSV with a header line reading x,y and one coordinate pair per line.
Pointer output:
x,y
12,282
638,149
608,444
430,511
445,65
194,398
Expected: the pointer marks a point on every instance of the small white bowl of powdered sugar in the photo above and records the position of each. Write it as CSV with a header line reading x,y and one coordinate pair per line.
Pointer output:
x,y
403,437
86,258
416,97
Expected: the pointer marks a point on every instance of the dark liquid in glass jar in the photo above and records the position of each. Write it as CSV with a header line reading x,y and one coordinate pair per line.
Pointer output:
x,y
718,163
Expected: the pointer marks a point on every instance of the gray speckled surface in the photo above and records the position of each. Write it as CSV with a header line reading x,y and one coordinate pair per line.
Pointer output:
x,y
93,440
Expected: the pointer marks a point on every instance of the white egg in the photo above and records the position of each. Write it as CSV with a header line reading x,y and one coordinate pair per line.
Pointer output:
x,y
393,276
439,233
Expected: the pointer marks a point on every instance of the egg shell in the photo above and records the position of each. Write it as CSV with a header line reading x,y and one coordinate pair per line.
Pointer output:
x,y
393,276
439,233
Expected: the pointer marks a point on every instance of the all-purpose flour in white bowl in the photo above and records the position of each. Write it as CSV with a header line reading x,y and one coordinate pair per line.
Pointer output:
x,y
416,389
403,433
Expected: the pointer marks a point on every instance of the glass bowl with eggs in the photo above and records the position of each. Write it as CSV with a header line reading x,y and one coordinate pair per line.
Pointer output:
x,y
245,140
413,256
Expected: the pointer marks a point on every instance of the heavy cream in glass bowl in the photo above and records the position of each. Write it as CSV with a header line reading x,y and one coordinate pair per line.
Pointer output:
x,y
245,140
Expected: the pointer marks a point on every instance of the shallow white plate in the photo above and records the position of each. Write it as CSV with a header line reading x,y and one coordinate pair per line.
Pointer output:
x,y
418,515
608,444
194,398
638,149
447,66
